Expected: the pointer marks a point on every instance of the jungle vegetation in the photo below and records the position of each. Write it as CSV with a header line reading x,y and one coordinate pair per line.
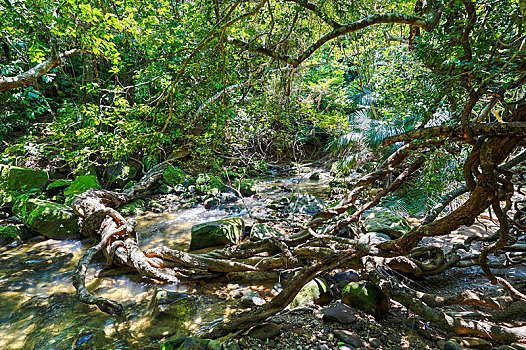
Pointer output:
x,y
427,92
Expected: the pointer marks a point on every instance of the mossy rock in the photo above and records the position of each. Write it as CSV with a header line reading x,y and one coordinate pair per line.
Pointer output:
x,y
191,344
316,291
20,179
10,233
247,187
129,184
80,185
59,184
173,176
367,297
385,221
174,305
217,233
47,218
118,174
207,184
133,208
7,198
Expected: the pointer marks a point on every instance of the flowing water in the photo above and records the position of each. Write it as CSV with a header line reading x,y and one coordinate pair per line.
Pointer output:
x,y
38,308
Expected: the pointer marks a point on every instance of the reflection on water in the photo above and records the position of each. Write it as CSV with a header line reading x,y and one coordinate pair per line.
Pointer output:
x,y
38,308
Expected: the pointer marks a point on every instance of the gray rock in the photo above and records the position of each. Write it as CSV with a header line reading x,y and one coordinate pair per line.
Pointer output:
x,y
349,338
265,331
374,238
211,202
339,313
305,204
252,299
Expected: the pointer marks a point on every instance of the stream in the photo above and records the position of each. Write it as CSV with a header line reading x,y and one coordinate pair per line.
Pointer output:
x,y
38,306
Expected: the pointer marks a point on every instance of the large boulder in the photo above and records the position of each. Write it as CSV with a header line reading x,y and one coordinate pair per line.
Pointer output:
x,y
80,185
47,218
385,221
13,178
317,291
118,174
367,297
217,233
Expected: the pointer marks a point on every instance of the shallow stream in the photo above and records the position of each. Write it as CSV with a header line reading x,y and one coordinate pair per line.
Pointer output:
x,y
39,310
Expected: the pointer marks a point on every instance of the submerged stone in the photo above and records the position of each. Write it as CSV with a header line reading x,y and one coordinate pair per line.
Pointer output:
x,y
217,233
174,305
386,221
367,297
20,179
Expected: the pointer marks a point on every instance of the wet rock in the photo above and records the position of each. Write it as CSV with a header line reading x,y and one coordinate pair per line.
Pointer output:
x,y
519,346
374,238
506,347
314,176
276,289
174,305
385,221
19,179
217,233
211,202
265,331
47,218
316,291
251,300
339,313
367,297
349,338
474,343
80,185
260,231
191,344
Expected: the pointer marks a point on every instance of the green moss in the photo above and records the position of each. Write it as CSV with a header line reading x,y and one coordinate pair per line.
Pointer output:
x,y
80,185
10,232
367,297
22,179
316,291
133,208
174,176
61,183
207,184
217,233
7,198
